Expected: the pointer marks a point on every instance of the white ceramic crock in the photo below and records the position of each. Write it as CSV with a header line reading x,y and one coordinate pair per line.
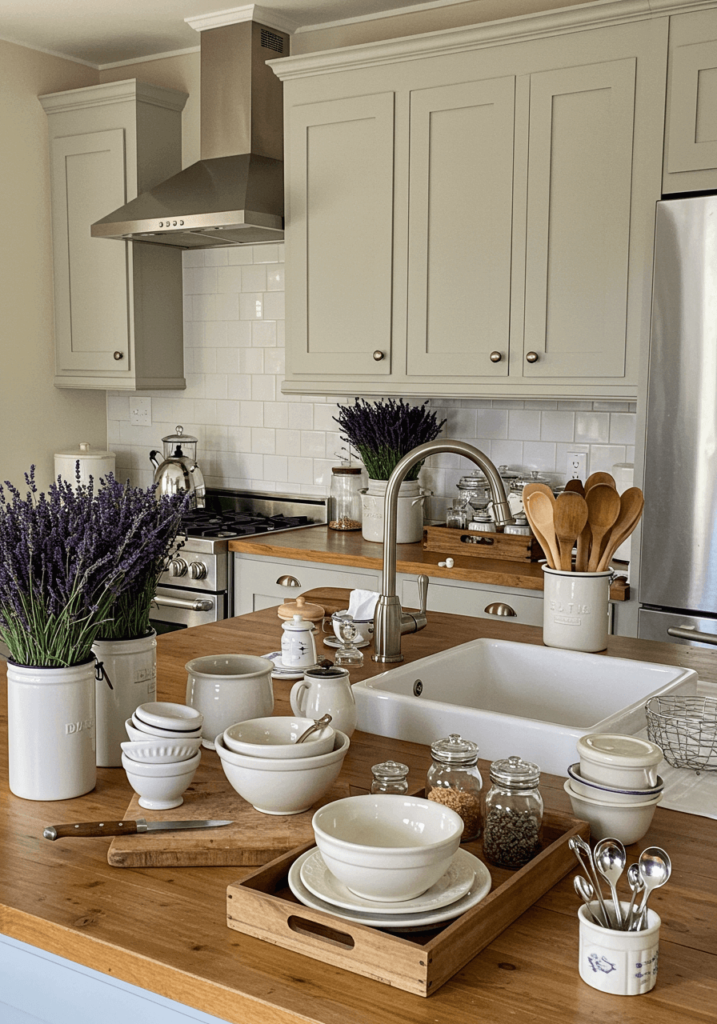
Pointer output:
x,y
409,525
575,609
94,462
125,677
51,731
616,962
229,688
298,649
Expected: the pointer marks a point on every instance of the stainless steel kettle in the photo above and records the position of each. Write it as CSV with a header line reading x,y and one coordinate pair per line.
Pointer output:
x,y
179,470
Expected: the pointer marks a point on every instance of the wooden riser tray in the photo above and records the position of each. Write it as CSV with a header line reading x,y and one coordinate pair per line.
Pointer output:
x,y
262,905
473,543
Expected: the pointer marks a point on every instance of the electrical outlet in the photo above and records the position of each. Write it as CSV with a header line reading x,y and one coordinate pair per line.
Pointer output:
x,y
140,412
577,465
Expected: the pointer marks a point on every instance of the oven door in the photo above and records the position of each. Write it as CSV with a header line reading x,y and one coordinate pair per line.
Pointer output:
x,y
178,608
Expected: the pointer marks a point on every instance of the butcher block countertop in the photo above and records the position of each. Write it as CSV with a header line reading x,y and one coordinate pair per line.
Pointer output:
x,y
164,929
333,547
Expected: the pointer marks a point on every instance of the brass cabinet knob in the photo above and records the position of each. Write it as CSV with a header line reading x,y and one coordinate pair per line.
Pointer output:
x,y
118,355
532,357
378,355
495,357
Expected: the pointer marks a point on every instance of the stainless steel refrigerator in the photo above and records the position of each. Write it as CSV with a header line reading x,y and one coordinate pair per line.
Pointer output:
x,y
678,569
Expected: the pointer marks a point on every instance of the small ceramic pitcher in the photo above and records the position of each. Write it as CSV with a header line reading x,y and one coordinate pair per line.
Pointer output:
x,y
298,649
325,691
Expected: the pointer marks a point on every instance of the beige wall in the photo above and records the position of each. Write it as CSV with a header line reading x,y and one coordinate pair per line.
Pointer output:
x,y
36,418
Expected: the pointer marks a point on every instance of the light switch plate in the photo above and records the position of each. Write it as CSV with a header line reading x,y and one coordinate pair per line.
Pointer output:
x,y
577,465
140,412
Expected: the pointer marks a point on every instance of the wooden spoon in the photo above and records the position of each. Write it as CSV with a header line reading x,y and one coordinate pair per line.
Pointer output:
x,y
569,516
539,509
534,488
603,503
599,478
575,485
632,503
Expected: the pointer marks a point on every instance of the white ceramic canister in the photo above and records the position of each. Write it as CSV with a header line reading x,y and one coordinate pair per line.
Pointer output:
x,y
298,649
94,462
51,731
326,691
229,688
409,524
575,609
619,963
125,677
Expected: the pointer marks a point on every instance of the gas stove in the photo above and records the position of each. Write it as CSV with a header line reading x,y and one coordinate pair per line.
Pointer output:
x,y
196,588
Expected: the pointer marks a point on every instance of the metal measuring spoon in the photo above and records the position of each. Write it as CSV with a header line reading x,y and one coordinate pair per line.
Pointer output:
x,y
320,723
610,860
655,869
587,894
636,885
585,859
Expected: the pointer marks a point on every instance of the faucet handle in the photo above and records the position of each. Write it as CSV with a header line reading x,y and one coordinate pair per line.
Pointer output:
x,y
422,581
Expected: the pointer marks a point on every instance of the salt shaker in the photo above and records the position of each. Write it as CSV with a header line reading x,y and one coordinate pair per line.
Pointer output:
x,y
513,813
389,777
454,780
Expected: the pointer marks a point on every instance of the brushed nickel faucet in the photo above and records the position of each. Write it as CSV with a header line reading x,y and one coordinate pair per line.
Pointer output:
x,y
389,620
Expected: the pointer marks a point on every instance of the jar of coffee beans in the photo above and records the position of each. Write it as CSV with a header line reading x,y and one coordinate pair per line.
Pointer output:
x,y
454,780
513,813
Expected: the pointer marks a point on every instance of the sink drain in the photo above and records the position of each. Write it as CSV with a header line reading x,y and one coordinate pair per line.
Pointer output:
x,y
417,688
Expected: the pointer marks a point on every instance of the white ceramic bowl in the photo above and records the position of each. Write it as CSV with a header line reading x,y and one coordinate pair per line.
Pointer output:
x,y
610,794
386,847
229,688
163,715
137,730
612,759
283,785
364,627
160,786
159,751
626,822
276,737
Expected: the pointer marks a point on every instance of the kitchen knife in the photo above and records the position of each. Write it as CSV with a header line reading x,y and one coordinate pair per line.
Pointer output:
x,y
125,828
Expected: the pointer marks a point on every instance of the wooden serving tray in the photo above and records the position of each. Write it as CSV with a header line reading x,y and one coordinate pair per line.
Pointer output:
x,y
473,543
262,905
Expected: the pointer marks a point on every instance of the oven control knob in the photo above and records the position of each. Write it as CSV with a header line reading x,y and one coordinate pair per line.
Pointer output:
x,y
177,567
197,570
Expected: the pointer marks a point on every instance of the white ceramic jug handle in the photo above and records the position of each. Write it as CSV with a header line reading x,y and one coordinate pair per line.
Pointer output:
x,y
295,697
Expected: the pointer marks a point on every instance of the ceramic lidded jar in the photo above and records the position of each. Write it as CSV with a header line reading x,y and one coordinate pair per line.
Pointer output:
x,y
313,613
298,649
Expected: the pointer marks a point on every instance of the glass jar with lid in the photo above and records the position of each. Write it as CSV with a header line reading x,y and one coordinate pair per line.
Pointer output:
x,y
389,777
513,813
345,511
454,780
473,488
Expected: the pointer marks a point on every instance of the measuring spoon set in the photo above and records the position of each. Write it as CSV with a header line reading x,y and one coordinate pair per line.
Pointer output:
x,y
608,861
594,515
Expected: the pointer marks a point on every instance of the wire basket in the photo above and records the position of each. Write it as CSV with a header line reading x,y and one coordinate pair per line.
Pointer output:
x,y
686,730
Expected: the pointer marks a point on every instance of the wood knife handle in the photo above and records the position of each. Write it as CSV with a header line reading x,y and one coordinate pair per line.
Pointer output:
x,y
91,828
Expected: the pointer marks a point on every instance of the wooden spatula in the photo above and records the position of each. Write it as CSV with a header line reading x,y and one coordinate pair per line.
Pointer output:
x,y
539,510
632,503
603,503
569,516
599,478
575,485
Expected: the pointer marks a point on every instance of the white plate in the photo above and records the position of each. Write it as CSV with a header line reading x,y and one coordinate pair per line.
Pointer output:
x,y
455,883
281,671
408,922
331,641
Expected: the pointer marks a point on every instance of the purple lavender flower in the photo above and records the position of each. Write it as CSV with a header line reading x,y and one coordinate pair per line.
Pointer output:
x,y
384,431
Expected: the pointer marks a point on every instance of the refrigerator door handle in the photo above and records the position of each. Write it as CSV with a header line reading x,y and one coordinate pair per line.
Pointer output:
x,y
690,633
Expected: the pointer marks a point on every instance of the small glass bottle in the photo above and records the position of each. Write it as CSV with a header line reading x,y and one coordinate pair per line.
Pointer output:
x,y
513,813
454,780
389,777
345,509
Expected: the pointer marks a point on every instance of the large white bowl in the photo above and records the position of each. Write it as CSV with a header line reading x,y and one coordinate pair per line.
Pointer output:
x,y
282,785
386,847
164,715
626,822
160,786
229,688
610,794
276,737
138,731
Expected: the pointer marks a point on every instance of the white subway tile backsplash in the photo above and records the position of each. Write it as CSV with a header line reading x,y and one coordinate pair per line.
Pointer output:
x,y
213,257
251,414
301,471
238,333
492,423
251,360
539,455
506,453
275,362
604,456
523,423
622,428
251,306
228,360
276,467
592,427
215,385
199,280
276,414
263,440
264,333
239,255
267,253
288,442
229,280
301,417
557,426
274,306
275,278
239,386
253,278
263,387
313,444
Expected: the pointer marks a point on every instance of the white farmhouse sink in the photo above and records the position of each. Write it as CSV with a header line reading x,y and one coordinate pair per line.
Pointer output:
x,y
513,698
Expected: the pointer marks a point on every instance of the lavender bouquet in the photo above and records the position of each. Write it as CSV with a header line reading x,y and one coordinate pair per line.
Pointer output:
x,y
67,560
383,432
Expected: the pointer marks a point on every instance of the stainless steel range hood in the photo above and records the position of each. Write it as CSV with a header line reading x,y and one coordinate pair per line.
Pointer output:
x,y
235,193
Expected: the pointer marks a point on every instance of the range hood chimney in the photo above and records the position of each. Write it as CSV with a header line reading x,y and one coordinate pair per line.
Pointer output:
x,y
235,193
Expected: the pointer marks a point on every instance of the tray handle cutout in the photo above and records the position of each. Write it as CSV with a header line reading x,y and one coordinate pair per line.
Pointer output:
x,y
313,930
484,539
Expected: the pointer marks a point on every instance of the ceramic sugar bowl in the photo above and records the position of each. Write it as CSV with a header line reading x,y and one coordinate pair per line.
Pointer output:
x,y
298,649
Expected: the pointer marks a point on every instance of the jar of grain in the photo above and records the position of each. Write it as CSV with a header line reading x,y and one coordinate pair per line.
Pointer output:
x,y
345,504
454,780
513,813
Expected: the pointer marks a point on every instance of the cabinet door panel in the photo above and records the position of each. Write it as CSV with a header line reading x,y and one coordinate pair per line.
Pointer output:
x,y
578,220
692,139
91,314
460,197
340,206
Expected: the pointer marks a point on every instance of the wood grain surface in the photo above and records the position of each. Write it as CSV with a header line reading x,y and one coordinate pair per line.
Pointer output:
x,y
64,897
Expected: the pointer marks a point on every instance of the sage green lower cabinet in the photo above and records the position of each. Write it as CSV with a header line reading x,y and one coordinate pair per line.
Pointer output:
x,y
255,577
459,598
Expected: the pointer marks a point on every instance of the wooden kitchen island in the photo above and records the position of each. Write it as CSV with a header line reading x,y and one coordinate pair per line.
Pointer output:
x,y
165,930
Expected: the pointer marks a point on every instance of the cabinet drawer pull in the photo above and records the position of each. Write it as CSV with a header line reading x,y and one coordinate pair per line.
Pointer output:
x,y
499,608
378,355
495,357
288,581
532,357
118,355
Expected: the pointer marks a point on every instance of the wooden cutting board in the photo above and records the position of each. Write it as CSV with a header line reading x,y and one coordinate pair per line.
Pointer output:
x,y
253,838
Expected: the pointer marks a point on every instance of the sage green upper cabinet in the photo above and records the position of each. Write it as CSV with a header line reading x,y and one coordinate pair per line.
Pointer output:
x,y
118,305
691,124
503,244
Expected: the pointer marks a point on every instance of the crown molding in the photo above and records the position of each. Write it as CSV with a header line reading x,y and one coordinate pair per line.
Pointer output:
x,y
236,15
114,92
